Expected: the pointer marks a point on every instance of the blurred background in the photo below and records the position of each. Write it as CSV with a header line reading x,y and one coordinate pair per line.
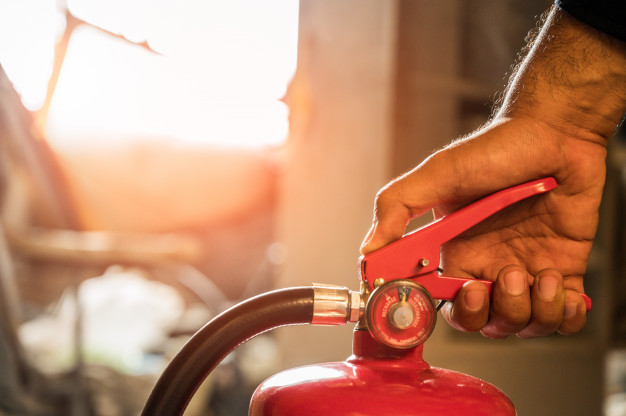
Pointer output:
x,y
161,161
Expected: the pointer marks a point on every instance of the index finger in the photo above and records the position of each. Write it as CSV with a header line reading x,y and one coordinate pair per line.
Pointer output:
x,y
395,205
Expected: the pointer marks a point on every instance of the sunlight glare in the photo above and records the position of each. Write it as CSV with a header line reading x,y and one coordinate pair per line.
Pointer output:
x,y
28,29
217,77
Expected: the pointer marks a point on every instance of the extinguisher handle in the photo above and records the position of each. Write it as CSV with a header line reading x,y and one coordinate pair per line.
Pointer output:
x,y
447,287
416,255
418,252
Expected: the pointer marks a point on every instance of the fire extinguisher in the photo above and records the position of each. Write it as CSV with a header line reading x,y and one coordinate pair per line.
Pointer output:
x,y
394,312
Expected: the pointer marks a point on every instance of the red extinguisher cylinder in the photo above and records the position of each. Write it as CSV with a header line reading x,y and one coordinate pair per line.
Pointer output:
x,y
377,380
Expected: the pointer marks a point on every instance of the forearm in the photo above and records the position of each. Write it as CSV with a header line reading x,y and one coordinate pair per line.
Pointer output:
x,y
573,79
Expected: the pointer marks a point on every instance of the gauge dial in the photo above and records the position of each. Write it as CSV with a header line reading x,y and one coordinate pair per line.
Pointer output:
x,y
401,314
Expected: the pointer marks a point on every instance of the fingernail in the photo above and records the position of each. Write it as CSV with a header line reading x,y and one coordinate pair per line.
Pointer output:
x,y
547,286
515,282
570,310
474,300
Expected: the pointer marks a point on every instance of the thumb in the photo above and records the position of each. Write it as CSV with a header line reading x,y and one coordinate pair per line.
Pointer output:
x,y
403,199
388,226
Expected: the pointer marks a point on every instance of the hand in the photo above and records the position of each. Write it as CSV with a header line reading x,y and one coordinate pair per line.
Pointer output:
x,y
544,241
554,121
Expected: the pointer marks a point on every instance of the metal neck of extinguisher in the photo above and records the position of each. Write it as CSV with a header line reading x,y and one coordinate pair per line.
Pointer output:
x,y
336,305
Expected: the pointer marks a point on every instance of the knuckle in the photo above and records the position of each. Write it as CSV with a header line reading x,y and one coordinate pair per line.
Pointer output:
x,y
516,317
513,314
569,327
460,319
550,319
386,194
470,325
383,197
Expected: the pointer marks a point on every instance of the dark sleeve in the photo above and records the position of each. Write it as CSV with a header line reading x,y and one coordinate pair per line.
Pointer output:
x,y
608,16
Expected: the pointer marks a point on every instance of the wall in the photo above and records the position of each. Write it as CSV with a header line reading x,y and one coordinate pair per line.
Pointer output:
x,y
380,85
337,155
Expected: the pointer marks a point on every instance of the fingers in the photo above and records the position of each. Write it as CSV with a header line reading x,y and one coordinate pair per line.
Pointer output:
x,y
394,223
511,306
516,307
395,206
574,313
548,301
391,217
403,199
470,311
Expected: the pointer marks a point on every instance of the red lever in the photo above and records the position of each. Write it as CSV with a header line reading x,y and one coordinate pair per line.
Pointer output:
x,y
416,255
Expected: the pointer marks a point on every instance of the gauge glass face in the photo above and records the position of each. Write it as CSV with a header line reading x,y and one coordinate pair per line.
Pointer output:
x,y
401,314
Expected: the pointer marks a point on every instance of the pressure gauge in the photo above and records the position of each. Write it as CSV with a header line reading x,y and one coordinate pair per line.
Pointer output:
x,y
401,314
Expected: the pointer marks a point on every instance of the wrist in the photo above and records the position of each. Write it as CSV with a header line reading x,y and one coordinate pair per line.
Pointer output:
x,y
573,79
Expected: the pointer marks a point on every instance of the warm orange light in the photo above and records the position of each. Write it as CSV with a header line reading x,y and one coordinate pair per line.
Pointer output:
x,y
217,78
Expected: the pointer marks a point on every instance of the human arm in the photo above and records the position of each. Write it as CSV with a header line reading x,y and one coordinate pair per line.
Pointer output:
x,y
559,109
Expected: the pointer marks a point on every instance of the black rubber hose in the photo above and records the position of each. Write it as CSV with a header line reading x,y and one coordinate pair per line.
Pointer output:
x,y
208,347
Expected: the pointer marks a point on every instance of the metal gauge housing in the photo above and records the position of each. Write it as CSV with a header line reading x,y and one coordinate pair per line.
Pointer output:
x,y
401,314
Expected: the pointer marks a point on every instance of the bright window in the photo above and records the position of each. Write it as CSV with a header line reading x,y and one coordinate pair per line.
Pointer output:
x,y
217,73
